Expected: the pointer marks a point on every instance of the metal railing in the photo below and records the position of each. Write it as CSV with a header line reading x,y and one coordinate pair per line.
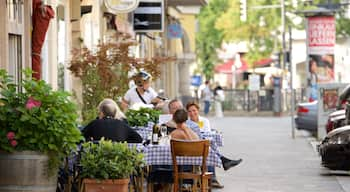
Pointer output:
x,y
262,100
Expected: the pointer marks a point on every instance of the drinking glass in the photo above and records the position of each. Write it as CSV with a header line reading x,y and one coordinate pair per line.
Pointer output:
x,y
163,130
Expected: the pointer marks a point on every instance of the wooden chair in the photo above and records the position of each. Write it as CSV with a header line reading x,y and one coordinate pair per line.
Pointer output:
x,y
199,148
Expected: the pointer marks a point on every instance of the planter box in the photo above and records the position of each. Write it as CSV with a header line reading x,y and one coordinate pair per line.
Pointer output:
x,y
25,171
110,185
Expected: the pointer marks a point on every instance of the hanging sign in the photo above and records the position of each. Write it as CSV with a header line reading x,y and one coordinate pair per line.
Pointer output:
x,y
149,16
174,31
321,36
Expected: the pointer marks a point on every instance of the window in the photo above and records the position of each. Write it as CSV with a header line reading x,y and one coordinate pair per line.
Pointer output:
x,y
15,11
15,56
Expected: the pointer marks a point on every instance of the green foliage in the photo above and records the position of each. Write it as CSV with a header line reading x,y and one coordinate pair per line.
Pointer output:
x,y
257,31
263,26
109,160
208,38
142,116
37,117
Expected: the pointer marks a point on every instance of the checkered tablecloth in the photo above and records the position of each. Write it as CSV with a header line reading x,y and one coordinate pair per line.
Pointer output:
x,y
215,137
161,155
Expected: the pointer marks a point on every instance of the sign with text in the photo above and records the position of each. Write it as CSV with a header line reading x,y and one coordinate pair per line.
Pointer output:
x,y
321,34
149,16
320,50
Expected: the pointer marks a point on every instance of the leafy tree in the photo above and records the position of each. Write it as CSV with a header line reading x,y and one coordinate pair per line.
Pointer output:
x,y
260,30
209,38
220,21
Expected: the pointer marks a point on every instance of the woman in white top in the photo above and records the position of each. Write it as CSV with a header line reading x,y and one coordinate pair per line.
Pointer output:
x,y
142,93
193,113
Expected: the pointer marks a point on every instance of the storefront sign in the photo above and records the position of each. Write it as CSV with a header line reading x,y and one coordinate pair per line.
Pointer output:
x,y
149,16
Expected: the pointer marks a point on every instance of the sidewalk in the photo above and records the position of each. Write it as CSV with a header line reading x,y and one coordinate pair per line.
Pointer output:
x,y
272,160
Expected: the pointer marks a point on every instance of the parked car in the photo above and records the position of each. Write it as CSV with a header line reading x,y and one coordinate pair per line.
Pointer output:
x,y
335,120
341,117
335,149
306,118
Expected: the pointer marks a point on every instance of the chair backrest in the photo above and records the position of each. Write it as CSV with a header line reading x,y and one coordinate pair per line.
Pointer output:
x,y
197,148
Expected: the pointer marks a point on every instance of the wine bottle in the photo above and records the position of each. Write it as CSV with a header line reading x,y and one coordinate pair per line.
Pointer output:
x,y
155,132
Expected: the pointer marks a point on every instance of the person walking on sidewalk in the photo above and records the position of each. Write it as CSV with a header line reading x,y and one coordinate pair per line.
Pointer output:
x,y
206,96
219,97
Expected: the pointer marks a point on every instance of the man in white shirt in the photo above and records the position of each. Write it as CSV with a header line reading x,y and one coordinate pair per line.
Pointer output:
x,y
142,93
206,96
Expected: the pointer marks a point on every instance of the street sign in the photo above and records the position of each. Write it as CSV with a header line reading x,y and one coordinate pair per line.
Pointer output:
x,y
254,82
149,16
196,80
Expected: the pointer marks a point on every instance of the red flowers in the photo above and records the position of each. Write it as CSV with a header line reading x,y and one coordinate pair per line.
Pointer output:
x,y
32,103
13,143
11,137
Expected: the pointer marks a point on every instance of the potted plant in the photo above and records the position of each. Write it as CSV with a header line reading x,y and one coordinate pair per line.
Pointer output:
x,y
140,117
108,165
38,127
105,71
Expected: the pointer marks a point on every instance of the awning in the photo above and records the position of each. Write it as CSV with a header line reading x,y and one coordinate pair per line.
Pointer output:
x,y
263,62
40,19
227,67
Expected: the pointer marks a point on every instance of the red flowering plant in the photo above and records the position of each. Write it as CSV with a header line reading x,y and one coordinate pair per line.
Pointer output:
x,y
35,117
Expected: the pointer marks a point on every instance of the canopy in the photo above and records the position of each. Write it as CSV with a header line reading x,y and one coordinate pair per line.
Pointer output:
x,y
40,19
263,62
227,67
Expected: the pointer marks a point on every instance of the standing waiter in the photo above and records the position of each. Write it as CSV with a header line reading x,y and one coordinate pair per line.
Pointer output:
x,y
142,93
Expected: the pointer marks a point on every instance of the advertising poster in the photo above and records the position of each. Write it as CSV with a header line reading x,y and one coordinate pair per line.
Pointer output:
x,y
330,98
320,46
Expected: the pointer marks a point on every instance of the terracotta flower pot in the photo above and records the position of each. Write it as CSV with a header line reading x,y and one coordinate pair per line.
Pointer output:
x,y
110,185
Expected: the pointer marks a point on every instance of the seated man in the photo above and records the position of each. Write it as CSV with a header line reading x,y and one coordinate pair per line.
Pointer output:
x,y
227,163
182,131
110,125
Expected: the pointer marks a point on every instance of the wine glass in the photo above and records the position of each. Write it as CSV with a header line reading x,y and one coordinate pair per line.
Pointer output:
x,y
163,130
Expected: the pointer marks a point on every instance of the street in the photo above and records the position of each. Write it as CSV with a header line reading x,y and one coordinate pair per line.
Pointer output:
x,y
272,160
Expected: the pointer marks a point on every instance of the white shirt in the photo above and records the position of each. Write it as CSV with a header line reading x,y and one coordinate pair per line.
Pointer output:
x,y
132,97
206,93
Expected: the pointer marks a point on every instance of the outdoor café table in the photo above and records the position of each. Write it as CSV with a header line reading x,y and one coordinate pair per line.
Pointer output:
x,y
161,155
144,132
214,136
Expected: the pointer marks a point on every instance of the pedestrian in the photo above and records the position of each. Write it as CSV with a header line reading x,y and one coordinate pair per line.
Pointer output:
x,y
206,96
219,97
